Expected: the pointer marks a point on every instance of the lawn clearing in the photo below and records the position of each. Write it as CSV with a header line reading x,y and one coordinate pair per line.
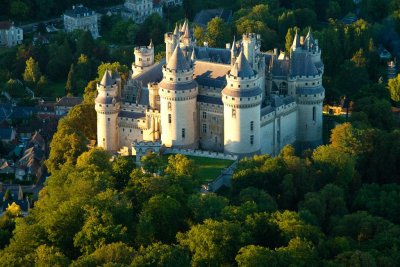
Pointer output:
x,y
209,168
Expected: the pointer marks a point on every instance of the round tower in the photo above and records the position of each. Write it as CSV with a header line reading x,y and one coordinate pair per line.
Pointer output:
x,y
144,59
107,106
171,39
178,98
249,47
242,98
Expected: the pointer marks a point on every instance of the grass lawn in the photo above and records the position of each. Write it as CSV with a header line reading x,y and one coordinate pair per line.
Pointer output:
x,y
54,90
209,169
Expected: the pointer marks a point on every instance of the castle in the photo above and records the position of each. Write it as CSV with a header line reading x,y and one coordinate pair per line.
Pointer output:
x,y
237,100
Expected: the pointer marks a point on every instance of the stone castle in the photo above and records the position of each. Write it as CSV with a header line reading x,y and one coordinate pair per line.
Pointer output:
x,y
237,100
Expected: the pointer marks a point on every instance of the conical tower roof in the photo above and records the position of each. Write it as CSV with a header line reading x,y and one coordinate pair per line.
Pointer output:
x,y
177,61
176,31
107,79
296,41
309,38
242,68
193,56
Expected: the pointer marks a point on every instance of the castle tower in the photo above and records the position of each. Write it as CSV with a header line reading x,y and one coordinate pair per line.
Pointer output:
x,y
171,39
233,51
249,47
144,59
107,106
178,103
186,39
306,84
242,103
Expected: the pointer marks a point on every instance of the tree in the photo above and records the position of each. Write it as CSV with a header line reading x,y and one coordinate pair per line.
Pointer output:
x,y
213,243
256,256
152,163
32,72
180,165
97,157
47,256
218,33
121,169
346,138
70,87
160,255
206,206
335,166
394,88
165,214
114,253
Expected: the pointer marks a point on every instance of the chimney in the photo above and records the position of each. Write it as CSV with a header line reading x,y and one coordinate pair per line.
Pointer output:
x,y
302,40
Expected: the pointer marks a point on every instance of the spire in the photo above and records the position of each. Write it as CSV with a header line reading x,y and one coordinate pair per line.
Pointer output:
x,y
193,57
242,68
107,80
296,41
233,48
184,26
177,61
186,32
151,45
309,39
176,31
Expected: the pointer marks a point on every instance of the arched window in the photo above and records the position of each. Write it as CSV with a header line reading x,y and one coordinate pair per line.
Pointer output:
x,y
283,88
169,105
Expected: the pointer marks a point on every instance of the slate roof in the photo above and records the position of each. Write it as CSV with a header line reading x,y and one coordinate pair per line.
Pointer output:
x,y
242,68
177,86
131,115
210,74
309,91
78,11
177,61
302,65
218,55
107,79
209,99
69,101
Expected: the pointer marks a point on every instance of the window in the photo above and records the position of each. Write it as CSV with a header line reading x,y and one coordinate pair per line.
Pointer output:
x,y
183,132
204,128
233,113
204,115
283,88
169,105
313,113
251,139
252,126
169,118
108,119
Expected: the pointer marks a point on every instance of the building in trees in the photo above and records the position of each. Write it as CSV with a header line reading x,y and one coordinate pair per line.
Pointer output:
x,y
9,34
238,100
82,18
139,10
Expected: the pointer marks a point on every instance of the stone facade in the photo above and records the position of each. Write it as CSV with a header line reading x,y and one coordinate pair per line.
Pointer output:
x,y
81,18
139,10
237,100
10,35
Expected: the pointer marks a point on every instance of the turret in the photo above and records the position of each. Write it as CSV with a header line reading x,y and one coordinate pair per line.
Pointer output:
x,y
144,59
296,42
178,102
242,98
171,40
249,47
233,52
107,105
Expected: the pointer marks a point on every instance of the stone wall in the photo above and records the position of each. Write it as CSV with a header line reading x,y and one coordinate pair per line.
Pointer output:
x,y
200,153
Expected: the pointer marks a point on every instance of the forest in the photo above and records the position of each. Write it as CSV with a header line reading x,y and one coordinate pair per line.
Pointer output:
x,y
338,205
